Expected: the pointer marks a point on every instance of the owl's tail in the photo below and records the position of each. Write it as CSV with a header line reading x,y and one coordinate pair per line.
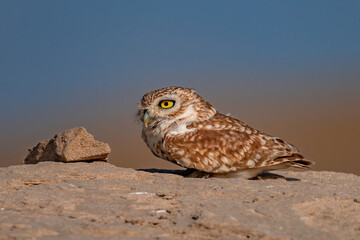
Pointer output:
x,y
297,161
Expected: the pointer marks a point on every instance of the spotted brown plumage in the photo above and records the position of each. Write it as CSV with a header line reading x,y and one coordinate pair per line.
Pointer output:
x,y
192,134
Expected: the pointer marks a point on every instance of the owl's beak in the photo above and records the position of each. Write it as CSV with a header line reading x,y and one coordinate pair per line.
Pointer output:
x,y
146,118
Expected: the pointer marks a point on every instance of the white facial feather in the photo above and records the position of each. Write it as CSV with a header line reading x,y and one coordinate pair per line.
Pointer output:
x,y
180,126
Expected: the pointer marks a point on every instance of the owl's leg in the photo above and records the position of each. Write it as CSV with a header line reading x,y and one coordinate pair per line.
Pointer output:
x,y
245,174
251,173
254,173
193,173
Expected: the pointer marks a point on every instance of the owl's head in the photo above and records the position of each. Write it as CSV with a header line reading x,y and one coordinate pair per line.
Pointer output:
x,y
172,104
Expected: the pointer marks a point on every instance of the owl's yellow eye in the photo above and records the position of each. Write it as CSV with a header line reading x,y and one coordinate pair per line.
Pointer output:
x,y
166,103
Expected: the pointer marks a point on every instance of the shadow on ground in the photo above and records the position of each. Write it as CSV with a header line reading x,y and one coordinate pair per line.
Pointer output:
x,y
188,173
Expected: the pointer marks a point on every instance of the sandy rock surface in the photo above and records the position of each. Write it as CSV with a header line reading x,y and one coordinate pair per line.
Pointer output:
x,y
53,200
73,145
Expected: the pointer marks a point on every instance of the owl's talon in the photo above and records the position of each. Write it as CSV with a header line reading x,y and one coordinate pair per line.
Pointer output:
x,y
197,174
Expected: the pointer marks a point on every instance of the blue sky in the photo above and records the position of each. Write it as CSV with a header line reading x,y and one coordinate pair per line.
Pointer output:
x,y
61,45
65,63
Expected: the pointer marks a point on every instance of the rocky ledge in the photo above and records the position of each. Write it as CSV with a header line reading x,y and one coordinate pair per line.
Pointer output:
x,y
52,200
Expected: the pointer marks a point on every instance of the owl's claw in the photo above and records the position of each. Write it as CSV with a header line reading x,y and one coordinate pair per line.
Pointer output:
x,y
193,173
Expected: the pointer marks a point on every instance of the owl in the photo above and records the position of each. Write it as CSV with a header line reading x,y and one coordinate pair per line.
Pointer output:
x,y
183,128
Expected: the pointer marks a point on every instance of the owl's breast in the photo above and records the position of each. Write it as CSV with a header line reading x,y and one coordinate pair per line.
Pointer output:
x,y
155,141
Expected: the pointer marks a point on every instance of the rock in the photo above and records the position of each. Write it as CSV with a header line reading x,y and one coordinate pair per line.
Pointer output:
x,y
52,200
73,145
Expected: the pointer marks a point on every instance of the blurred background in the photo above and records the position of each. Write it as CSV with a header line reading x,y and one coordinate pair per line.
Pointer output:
x,y
288,68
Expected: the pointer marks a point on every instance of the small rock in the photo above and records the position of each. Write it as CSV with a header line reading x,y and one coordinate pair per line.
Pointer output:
x,y
73,145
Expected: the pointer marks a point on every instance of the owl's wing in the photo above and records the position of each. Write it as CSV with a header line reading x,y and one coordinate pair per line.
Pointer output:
x,y
220,147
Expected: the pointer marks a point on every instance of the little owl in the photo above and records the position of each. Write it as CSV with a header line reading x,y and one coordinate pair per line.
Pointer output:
x,y
183,128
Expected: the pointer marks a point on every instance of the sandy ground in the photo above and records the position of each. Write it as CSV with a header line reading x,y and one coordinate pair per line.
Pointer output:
x,y
100,201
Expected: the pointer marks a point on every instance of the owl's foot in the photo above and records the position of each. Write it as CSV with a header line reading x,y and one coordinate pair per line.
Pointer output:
x,y
193,173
